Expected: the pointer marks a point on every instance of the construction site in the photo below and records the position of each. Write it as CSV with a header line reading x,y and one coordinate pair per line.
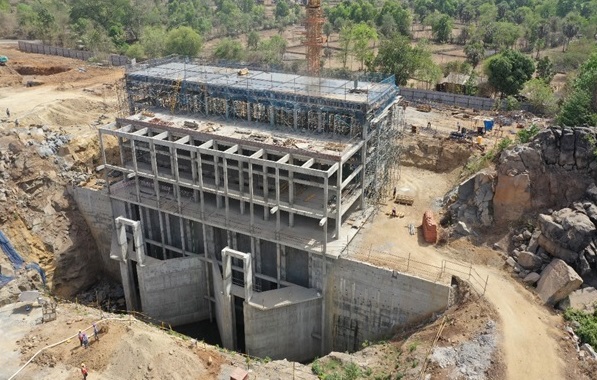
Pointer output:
x,y
234,194
225,221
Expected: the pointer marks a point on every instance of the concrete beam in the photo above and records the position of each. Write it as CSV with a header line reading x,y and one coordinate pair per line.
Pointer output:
x,y
308,164
257,154
162,135
141,132
183,140
284,159
232,149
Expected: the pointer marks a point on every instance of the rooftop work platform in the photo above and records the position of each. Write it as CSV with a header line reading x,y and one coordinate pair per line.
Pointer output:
x,y
272,82
366,98
248,134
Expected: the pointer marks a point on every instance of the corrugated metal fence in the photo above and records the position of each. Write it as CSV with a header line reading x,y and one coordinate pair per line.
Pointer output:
x,y
29,47
429,96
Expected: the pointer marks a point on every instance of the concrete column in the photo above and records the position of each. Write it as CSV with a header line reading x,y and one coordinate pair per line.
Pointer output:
x,y
319,121
291,194
226,199
201,193
183,236
265,191
162,237
194,174
272,115
338,200
136,169
278,265
206,104
168,230
251,192
248,111
104,161
217,178
257,255
282,262
295,117
241,183
227,108
176,174
121,150
364,163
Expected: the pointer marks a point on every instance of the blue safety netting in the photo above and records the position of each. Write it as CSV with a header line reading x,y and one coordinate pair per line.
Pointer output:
x,y
14,257
41,272
16,261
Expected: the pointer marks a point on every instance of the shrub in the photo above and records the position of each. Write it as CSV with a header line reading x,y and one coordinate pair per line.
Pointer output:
x,y
587,331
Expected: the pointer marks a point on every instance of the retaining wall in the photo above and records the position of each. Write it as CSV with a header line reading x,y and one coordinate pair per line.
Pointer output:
x,y
364,302
174,290
476,102
96,209
286,332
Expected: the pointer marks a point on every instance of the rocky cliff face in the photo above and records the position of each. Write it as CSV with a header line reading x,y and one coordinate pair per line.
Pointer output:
x,y
552,171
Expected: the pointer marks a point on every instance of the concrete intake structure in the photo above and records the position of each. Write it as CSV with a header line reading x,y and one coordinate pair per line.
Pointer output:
x,y
246,190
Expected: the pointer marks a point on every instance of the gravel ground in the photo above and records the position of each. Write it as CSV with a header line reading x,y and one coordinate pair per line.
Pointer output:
x,y
470,359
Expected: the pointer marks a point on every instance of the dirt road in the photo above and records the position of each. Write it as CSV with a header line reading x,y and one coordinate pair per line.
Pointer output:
x,y
528,330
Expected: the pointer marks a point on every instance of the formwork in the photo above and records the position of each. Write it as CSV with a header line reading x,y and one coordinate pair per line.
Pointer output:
x,y
324,105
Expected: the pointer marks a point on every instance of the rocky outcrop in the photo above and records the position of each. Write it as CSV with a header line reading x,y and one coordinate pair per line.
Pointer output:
x,y
552,171
474,199
557,281
435,154
512,197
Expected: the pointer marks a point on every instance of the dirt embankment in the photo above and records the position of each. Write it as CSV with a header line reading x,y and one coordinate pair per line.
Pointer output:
x,y
47,142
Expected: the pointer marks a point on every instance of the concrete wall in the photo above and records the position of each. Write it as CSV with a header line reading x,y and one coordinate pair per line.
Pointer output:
x,y
174,290
285,332
364,302
95,207
416,95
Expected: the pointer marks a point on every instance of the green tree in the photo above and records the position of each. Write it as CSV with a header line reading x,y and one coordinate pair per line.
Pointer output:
x,y
153,40
272,50
505,35
508,71
362,36
397,56
400,15
545,70
328,29
183,41
345,42
253,40
475,52
570,28
580,106
135,51
282,9
441,28
541,97
229,49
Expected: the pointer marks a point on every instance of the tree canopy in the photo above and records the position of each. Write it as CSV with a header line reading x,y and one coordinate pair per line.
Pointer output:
x,y
508,71
183,41
580,106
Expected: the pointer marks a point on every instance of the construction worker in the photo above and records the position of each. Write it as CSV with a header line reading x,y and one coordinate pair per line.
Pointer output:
x,y
7,112
80,338
84,371
394,212
17,123
95,333
394,193
85,341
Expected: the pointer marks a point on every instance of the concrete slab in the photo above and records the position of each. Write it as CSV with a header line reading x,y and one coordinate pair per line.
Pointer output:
x,y
283,297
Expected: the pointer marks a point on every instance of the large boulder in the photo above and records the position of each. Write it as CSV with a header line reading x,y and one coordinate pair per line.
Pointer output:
x,y
529,260
512,197
557,281
570,228
584,299
557,250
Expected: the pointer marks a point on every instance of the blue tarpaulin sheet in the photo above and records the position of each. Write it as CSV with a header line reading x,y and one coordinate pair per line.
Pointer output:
x,y
14,257
16,260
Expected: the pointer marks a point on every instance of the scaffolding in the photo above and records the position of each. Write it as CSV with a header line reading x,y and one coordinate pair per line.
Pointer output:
x,y
338,113
323,105
314,40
